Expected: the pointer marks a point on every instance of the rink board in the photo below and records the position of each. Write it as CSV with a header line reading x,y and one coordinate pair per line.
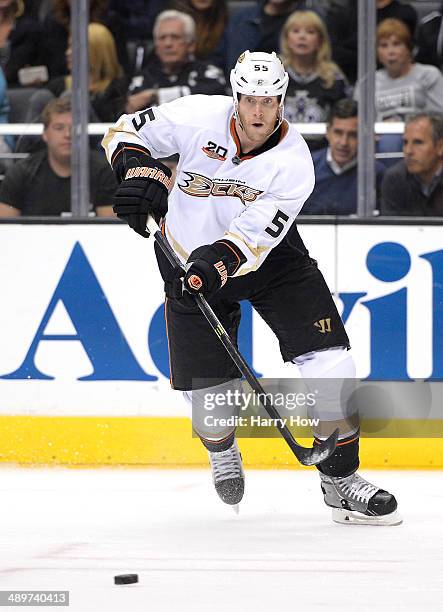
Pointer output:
x,y
168,442
84,373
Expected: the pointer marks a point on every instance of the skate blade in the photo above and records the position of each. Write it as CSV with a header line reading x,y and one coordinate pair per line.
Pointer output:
x,y
236,508
347,517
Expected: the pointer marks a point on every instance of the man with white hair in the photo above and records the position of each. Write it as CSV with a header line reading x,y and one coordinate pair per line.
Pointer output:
x,y
172,71
243,176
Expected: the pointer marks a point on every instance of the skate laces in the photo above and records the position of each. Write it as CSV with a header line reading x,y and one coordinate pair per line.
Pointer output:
x,y
226,464
356,488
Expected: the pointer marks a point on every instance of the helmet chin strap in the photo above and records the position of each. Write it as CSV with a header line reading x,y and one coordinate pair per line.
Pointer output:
x,y
279,120
237,116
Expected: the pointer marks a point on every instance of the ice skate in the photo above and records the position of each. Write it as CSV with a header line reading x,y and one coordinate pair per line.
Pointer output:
x,y
354,500
228,475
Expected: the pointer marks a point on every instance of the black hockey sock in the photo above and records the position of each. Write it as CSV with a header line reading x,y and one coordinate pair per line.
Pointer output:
x,y
216,446
344,460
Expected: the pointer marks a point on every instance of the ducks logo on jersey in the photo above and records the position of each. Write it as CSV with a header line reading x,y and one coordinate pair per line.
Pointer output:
x,y
201,186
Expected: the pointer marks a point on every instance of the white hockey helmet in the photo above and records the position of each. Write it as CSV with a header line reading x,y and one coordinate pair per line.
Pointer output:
x,y
259,74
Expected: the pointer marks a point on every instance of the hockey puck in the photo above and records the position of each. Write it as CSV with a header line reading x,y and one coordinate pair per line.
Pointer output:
x,y
126,579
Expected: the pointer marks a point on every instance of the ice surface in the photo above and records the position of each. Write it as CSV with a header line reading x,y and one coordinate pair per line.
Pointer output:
x,y
75,529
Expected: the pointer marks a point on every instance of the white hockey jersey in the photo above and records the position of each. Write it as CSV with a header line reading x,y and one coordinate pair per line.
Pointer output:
x,y
250,200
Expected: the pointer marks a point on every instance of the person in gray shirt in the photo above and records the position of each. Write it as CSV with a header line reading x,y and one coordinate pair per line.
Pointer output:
x,y
402,87
414,186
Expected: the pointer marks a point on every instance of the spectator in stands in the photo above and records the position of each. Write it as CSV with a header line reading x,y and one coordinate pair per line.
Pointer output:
x,y
402,87
211,18
56,30
259,28
171,72
38,9
429,39
107,91
137,16
414,186
393,9
40,184
20,39
342,23
335,191
315,82
107,86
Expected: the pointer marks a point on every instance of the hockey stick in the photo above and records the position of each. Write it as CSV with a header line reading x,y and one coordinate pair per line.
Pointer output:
x,y
306,456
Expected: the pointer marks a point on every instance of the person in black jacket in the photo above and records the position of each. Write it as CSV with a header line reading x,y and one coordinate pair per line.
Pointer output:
x,y
429,42
211,20
342,23
136,16
414,186
19,40
172,72
258,27
107,86
56,28
40,185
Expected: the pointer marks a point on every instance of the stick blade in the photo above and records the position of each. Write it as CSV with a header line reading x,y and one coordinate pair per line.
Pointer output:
x,y
319,452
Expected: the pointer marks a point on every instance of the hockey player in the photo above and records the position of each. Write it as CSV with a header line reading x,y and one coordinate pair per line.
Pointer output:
x,y
242,178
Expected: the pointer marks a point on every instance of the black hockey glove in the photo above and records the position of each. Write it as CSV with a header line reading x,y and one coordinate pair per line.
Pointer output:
x,y
210,266
143,190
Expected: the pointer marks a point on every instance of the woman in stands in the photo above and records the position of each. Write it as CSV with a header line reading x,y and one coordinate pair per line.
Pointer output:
x,y
107,86
402,87
315,81
56,29
211,17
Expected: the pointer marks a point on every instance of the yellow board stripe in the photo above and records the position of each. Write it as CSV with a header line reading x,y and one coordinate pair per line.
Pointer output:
x,y
168,442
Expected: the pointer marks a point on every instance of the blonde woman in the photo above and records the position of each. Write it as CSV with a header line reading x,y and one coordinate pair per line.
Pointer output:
x,y
107,86
107,90
315,81
56,28
103,62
